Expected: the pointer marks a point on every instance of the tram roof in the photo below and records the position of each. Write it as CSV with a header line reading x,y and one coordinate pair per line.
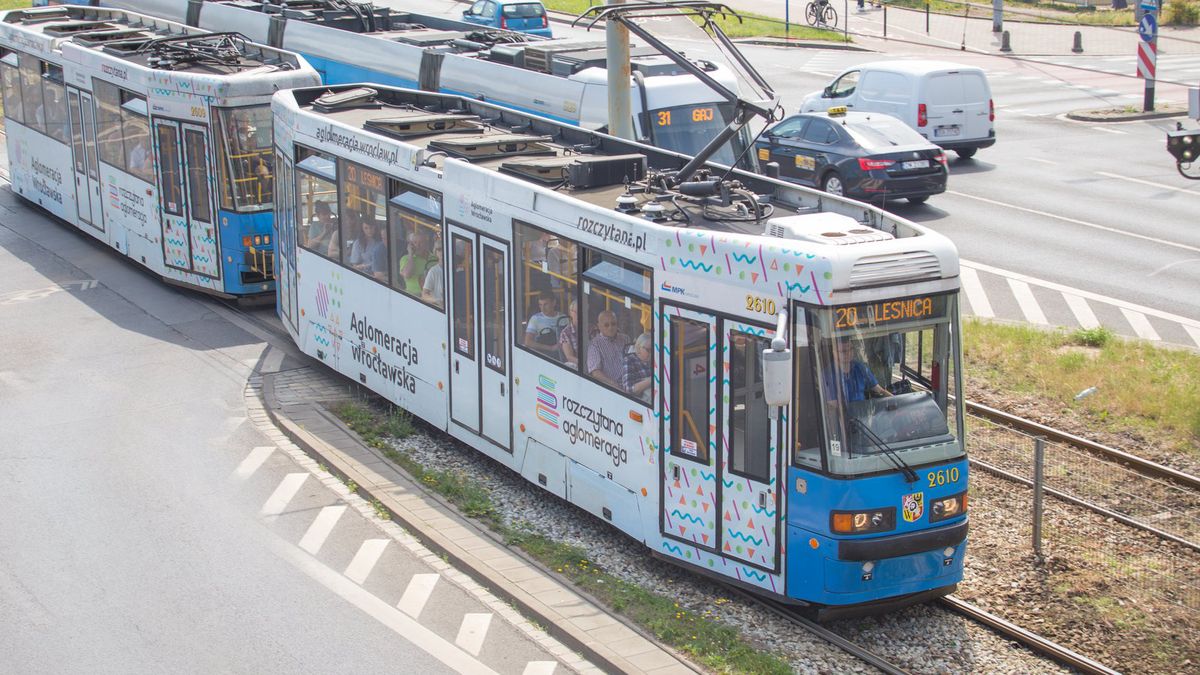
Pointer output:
x,y
605,172
144,40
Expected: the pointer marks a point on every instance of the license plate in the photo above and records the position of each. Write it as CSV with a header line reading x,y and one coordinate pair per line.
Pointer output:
x,y
946,131
915,164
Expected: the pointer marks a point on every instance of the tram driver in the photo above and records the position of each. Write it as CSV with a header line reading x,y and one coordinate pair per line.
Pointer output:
x,y
857,379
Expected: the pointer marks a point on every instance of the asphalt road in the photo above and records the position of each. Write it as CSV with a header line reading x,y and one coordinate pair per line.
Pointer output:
x,y
150,526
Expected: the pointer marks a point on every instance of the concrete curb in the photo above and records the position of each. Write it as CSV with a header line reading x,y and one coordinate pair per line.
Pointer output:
x,y
1109,116
802,44
575,619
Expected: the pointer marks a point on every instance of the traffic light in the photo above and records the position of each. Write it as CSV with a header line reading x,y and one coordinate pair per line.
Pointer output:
x,y
1184,145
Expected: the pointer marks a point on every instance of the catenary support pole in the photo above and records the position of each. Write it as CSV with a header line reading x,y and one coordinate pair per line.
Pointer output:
x,y
620,115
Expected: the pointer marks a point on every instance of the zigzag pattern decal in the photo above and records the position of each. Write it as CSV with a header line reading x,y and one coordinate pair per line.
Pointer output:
x,y
690,518
672,548
691,264
749,539
745,258
754,574
770,513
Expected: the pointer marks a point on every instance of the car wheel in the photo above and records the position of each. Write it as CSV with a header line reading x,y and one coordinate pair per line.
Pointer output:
x,y
918,200
833,184
966,153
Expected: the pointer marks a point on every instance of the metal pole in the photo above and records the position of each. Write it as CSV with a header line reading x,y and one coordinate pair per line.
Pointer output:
x,y
997,16
927,17
787,18
620,115
885,20
1039,458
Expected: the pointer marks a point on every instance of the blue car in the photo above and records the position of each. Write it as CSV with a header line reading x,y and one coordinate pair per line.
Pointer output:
x,y
524,16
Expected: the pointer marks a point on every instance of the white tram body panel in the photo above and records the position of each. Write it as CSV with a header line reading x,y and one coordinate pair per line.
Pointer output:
x,y
594,445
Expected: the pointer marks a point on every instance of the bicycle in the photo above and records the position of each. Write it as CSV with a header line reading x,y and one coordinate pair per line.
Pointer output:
x,y
820,13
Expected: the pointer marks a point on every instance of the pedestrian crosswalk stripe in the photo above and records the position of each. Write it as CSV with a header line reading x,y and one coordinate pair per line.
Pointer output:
x,y
1141,325
539,668
283,494
1194,332
321,526
1028,304
364,561
252,461
420,587
1082,311
472,632
975,294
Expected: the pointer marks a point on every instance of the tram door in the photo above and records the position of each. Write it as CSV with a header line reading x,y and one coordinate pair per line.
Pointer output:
x,y
83,150
690,478
750,456
188,233
480,373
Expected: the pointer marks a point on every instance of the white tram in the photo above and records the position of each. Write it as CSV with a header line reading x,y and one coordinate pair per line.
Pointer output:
x,y
149,135
583,312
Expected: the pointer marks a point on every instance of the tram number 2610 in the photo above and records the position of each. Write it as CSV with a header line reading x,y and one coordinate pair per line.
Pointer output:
x,y
760,305
943,476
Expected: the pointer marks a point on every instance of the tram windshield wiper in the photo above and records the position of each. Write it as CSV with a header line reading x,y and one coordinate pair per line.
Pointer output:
x,y
909,474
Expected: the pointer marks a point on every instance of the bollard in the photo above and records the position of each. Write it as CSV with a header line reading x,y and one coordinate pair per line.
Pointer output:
x,y
1004,44
1078,48
885,21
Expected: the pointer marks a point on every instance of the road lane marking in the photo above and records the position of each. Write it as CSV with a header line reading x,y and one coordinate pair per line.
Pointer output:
x,y
1194,332
473,630
420,587
975,293
1141,325
1039,159
1028,304
321,526
1107,130
252,462
1149,311
1082,311
283,494
1168,266
404,626
364,561
1146,182
540,668
1075,221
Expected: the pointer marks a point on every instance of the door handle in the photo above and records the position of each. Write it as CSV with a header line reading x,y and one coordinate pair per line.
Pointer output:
x,y
762,500
956,111
456,366
501,388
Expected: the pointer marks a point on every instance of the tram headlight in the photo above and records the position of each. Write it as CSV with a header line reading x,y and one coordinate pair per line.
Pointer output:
x,y
863,522
948,507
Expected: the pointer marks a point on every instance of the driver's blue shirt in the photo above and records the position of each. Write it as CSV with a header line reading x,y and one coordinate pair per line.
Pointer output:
x,y
858,381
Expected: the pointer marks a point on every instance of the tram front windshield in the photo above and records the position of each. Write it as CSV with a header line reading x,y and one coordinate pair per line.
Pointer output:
x,y
688,128
884,376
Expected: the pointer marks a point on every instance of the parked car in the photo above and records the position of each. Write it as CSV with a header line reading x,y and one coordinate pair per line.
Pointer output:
x,y
868,156
947,103
525,16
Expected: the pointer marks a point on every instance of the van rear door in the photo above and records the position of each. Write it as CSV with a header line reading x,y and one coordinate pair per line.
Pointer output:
x,y
958,106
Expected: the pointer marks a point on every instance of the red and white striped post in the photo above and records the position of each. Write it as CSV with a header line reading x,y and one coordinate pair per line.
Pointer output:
x,y
1148,50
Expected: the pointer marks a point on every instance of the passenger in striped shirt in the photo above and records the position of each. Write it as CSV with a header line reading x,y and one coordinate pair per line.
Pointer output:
x,y
606,351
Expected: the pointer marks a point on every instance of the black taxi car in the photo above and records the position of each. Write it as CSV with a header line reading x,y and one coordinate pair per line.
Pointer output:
x,y
867,156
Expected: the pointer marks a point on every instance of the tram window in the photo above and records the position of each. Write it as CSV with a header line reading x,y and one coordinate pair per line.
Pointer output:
x,y
545,268
77,134
464,296
689,390
493,309
108,123
750,427
55,99
615,311
199,197
243,136
13,106
415,229
806,411
31,92
171,190
364,220
137,137
317,202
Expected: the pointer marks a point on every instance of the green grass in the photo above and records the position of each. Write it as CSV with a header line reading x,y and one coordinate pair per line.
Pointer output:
x,y
751,25
14,4
699,635
1143,388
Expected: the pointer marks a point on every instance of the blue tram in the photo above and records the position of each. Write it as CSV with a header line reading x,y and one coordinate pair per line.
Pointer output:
x,y
750,378
151,136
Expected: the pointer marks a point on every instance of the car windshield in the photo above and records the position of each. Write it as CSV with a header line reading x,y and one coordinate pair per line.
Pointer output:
x,y
887,373
881,133
525,10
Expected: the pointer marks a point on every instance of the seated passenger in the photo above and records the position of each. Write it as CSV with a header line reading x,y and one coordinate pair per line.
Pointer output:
x,y
541,331
322,231
639,370
606,351
369,252
434,288
415,266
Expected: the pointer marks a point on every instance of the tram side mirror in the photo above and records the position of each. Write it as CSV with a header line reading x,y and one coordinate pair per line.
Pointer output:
x,y
777,373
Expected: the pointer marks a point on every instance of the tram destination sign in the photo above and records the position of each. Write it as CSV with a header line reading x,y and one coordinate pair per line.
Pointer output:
x,y
887,312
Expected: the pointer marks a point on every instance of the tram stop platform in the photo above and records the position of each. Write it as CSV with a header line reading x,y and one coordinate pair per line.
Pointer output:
x,y
295,400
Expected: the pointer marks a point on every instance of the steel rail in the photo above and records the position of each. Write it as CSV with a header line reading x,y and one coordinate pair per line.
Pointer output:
x,y
1145,466
1035,642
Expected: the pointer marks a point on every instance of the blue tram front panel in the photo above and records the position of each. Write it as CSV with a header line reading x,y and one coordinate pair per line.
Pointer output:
x,y
248,252
914,549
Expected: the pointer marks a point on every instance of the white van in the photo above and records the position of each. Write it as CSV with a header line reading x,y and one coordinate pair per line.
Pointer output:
x,y
948,103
